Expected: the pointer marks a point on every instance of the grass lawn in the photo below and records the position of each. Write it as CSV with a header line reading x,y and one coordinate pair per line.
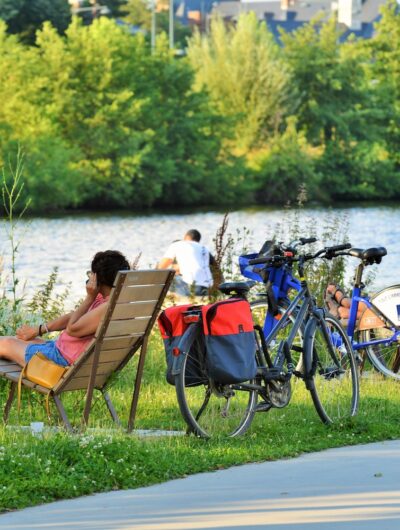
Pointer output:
x,y
34,470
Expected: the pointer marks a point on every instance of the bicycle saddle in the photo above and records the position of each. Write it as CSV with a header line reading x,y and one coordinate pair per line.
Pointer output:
x,y
240,288
369,255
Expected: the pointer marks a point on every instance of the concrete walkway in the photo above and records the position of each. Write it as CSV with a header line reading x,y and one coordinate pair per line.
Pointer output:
x,y
351,488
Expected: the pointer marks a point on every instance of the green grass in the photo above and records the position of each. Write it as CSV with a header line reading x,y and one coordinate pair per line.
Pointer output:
x,y
34,470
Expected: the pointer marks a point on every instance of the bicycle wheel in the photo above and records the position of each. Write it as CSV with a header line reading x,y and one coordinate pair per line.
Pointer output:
x,y
385,358
211,409
332,370
259,309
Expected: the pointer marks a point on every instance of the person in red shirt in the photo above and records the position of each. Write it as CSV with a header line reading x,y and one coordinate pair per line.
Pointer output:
x,y
77,328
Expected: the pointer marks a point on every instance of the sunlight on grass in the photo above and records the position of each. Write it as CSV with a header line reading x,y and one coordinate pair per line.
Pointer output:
x,y
34,470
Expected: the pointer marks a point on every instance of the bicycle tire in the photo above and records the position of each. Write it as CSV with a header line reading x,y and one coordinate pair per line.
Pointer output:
x,y
296,355
210,409
332,382
385,358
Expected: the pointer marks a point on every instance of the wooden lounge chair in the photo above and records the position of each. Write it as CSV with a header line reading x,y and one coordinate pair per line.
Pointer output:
x,y
134,304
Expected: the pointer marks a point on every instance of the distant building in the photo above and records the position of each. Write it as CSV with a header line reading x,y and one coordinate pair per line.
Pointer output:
x,y
357,17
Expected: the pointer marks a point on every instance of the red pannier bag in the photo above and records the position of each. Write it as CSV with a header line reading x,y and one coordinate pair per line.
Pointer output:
x,y
230,341
172,326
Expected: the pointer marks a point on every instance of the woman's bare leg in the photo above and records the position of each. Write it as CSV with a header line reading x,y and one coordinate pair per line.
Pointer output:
x,y
13,349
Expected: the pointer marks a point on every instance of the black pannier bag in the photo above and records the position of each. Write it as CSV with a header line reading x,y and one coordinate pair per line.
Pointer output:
x,y
230,341
172,326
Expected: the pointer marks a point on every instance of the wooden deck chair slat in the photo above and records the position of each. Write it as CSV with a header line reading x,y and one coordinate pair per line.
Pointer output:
x,y
106,357
121,327
135,309
9,367
112,343
141,294
146,277
81,383
103,368
111,355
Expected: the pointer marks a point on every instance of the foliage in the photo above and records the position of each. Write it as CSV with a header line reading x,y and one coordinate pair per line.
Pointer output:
x,y
280,169
106,123
105,135
384,72
25,17
243,70
46,304
138,13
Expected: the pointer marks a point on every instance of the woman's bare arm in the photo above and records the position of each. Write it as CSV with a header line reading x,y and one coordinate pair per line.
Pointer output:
x,y
27,332
83,322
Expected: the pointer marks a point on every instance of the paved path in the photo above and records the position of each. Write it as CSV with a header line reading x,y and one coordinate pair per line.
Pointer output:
x,y
352,488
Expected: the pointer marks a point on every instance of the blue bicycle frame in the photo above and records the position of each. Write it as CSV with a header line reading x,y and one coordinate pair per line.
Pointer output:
x,y
279,279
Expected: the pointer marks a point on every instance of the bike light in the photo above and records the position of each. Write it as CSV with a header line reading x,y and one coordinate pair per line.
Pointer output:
x,y
288,254
176,352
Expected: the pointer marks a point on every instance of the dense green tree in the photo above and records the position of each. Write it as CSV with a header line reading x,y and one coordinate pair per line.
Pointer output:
x,y
10,8
243,70
384,74
138,13
25,17
331,84
283,167
123,123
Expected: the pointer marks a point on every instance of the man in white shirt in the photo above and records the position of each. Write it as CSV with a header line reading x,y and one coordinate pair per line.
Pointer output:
x,y
191,260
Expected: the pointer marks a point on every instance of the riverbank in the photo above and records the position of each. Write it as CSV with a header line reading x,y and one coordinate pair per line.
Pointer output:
x,y
59,466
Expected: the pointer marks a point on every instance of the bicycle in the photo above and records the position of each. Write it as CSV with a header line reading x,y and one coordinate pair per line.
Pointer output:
x,y
330,373
378,331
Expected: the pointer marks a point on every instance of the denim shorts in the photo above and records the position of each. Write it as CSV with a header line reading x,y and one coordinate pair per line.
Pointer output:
x,y
48,349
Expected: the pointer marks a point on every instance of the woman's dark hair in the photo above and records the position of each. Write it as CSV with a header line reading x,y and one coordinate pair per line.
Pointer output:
x,y
106,265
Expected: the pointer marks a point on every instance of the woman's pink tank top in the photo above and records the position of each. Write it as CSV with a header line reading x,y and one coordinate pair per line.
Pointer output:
x,y
71,347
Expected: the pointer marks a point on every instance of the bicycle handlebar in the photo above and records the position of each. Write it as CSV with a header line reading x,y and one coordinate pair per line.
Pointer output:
x,y
326,252
265,259
305,240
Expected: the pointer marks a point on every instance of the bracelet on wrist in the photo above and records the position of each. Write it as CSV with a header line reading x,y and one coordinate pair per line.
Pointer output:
x,y
43,329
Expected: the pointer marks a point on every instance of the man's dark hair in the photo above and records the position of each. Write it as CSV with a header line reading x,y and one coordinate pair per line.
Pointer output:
x,y
106,265
194,235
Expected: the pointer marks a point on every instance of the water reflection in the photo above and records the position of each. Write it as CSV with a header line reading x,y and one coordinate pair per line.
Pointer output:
x,y
69,242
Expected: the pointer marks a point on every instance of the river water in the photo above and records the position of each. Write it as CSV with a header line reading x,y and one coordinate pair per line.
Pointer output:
x,y
69,242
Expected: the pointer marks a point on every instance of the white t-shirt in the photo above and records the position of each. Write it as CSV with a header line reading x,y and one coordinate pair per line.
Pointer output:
x,y
193,260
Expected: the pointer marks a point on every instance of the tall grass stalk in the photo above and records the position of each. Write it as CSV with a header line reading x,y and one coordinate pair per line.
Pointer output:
x,y
12,188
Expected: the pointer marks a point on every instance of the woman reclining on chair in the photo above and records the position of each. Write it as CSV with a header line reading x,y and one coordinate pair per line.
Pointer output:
x,y
78,328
